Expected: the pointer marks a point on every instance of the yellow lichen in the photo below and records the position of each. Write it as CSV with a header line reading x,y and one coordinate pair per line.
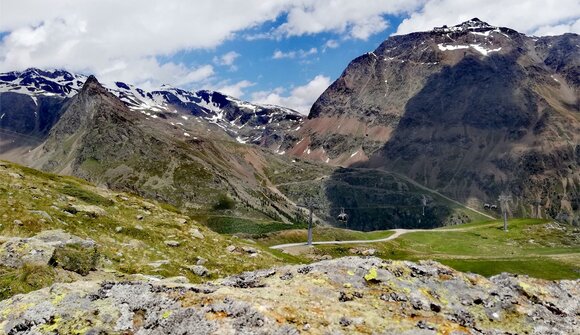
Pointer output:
x,y
372,275
166,314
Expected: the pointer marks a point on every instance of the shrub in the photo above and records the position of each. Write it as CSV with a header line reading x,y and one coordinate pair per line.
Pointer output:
x,y
224,202
29,277
86,196
76,258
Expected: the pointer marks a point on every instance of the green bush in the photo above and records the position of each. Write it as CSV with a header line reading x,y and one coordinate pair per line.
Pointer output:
x,y
86,196
29,277
76,258
224,202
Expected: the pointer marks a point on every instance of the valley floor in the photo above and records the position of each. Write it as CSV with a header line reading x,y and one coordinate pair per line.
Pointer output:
x,y
539,248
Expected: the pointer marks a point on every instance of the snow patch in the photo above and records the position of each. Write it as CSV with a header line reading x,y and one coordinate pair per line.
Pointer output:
x,y
451,47
483,50
485,33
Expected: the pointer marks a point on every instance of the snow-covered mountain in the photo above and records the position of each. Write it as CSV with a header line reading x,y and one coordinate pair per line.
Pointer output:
x,y
264,125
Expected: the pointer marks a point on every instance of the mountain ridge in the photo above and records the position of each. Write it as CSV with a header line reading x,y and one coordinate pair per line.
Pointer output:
x,y
471,110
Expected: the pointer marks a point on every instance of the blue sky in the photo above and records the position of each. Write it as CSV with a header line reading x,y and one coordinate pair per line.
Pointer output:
x,y
276,51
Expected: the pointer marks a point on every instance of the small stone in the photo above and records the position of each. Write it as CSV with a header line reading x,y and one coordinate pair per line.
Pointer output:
x,y
250,250
231,248
345,322
199,270
139,217
369,252
18,223
171,243
89,209
43,214
139,227
194,232
201,260
15,175
181,220
118,229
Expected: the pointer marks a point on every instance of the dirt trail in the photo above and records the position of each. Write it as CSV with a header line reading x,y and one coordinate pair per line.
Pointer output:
x,y
397,233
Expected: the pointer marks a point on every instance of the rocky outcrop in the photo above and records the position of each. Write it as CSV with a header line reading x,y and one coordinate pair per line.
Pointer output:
x,y
40,249
348,295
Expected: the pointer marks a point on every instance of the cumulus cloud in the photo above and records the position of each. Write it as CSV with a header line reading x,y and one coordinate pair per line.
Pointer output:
x,y
299,98
227,59
538,17
294,54
236,89
331,44
134,42
356,19
572,26
122,38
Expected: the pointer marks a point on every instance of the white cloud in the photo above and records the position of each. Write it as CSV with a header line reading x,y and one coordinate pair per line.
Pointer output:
x,y
227,59
539,17
236,89
300,98
559,29
133,41
356,19
295,53
331,44
125,39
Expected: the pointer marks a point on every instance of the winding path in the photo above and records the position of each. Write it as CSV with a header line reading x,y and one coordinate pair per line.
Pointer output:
x,y
397,233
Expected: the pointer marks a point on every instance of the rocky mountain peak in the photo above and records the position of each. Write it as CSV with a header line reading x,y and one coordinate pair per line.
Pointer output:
x,y
474,24
92,86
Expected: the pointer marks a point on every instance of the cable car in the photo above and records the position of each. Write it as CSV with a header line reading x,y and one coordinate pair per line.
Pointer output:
x,y
342,217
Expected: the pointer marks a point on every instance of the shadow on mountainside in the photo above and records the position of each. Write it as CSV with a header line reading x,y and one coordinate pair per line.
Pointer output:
x,y
457,136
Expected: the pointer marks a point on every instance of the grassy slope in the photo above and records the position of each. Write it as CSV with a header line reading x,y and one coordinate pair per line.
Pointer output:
x,y
321,234
531,247
134,248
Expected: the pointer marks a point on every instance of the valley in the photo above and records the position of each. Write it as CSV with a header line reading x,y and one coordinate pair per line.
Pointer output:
x,y
126,210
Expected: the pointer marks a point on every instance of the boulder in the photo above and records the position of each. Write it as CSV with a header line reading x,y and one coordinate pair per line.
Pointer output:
x,y
171,243
194,232
18,251
89,209
42,214
199,270
59,238
39,249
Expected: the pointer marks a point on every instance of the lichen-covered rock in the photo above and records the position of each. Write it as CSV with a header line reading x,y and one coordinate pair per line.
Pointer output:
x,y
194,232
89,209
18,251
382,297
39,249
199,270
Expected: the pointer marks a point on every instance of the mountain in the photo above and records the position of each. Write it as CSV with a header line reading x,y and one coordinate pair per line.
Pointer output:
x,y
191,162
30,101
471,110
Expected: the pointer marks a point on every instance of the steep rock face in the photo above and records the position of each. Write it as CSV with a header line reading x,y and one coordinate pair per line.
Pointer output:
x,y
471,110
347,295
